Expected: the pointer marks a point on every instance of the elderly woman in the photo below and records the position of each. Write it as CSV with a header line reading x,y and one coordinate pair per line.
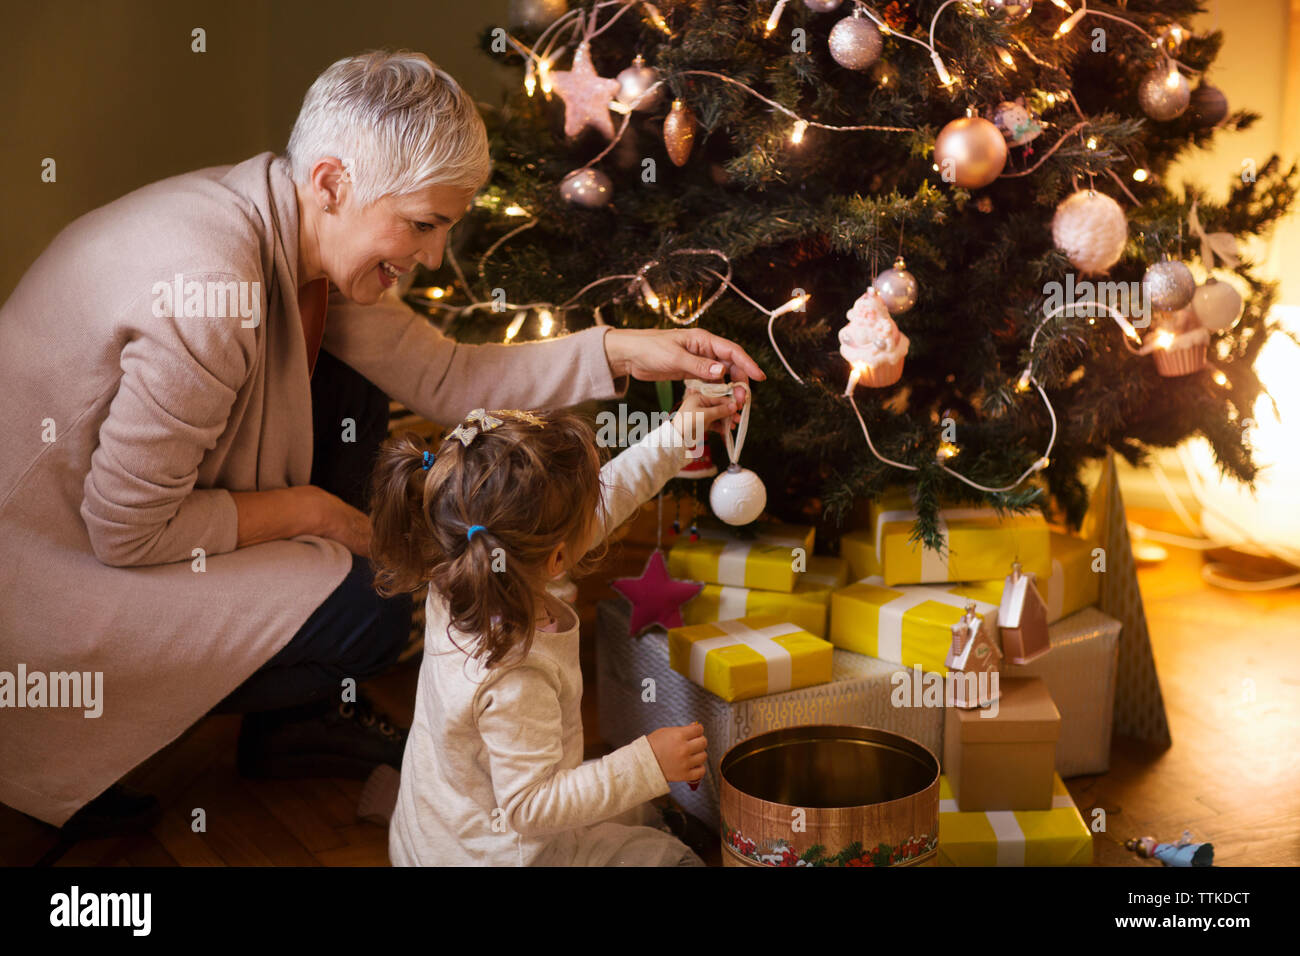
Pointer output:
x,y
190,417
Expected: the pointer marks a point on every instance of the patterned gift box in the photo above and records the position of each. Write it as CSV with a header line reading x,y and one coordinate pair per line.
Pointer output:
x,y
1071,586
978,543
637,692
1055,837
765,561
749,657
807,605
1080,672
908,625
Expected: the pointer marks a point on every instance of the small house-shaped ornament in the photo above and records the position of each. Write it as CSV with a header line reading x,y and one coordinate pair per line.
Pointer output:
x,y
973,660
1022,618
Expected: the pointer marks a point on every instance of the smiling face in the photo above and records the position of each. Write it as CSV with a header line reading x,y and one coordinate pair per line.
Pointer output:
x,y
363,250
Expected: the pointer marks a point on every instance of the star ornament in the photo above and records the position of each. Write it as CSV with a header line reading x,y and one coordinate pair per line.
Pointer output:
x,y
656,598
586,95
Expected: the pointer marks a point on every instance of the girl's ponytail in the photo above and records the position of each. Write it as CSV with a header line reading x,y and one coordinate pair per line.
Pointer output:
x,y
402,551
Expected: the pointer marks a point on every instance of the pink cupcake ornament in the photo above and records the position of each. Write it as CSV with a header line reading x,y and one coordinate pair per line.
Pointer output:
x,y
1180,343
872,344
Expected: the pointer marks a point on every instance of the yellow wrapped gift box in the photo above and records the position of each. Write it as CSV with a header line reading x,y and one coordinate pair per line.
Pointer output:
x,y
749,657
766,561
1071,585
807,605
858,548
1055,837
908,624
979,544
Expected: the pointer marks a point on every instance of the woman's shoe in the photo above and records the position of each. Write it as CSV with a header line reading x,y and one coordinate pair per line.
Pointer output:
x,y
320,740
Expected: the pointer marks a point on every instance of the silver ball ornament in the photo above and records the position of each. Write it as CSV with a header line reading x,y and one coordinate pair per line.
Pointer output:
x,y
822,6
970,152
1217,305
1007,11
1169,285
1164,93
738,496
1090,228
634,81
855,43
535,15
587,187
896,287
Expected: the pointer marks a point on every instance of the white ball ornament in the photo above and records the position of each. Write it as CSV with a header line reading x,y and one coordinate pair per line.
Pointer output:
x,y
738,496
1090,228
634,81
587,187
1217,305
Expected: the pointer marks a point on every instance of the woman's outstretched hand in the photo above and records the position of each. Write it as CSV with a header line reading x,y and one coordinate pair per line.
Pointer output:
x,y
654,355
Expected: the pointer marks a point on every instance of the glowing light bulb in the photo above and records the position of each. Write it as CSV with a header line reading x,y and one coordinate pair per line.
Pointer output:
x,y
513,210
648,294
1174,78
530,79
1140,175
1069,23
515,325
945,78
947,450
1005,56
1220,378
657,18
1063,5
1092,142
1022,384
1164,339
546,321
775,17
544,70
796,135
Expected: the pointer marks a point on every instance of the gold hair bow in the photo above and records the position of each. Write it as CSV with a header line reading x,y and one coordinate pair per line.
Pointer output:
x,y
482,422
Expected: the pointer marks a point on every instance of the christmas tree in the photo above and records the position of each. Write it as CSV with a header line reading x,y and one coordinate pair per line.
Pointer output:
x,y
725,160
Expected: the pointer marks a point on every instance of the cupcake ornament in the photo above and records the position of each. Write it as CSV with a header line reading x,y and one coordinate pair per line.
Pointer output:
x,y
1180,343
872,344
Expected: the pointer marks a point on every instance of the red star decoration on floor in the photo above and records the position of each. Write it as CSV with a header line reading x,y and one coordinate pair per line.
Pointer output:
x,y
656,598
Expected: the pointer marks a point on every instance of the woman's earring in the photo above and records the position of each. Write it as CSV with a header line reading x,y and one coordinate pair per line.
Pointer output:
x,y
327,207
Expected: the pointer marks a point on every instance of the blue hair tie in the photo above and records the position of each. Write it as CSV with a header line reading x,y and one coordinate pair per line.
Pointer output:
x,y
469,535
428,460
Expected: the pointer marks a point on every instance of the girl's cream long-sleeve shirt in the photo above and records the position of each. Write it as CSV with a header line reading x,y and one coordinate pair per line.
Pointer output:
x,y
493,771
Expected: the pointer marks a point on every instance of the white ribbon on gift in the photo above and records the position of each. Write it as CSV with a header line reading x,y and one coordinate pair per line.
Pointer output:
x,y
934,564
780,663
735,554
889,626
732,602
1006,829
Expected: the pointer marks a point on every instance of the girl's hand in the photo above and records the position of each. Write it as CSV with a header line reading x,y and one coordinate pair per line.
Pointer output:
x,y
681,751
698,414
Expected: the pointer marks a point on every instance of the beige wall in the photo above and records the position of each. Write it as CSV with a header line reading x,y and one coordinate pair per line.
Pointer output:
x,y
112,92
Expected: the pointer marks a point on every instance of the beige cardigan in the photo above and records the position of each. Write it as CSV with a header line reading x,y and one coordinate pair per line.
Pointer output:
x,y
123,435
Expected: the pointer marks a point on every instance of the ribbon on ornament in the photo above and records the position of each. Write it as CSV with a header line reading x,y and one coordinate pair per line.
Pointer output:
x,y
1222,244
720,390
780,663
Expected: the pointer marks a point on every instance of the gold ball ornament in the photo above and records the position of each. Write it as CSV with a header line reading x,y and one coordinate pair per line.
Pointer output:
x,y
679,133
970,152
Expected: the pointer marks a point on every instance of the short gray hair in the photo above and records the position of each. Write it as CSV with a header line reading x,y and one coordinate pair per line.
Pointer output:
x,y
398,123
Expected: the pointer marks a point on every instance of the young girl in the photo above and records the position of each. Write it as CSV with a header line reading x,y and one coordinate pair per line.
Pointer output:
x,y
493,771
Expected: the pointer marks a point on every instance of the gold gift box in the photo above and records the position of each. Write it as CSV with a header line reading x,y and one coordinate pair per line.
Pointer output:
x,y
749,657
978,544
908,624
807,605
1055,837
1070,586
767,561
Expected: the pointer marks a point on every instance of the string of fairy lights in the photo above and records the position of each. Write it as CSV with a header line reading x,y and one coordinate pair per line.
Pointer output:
x,y
576,25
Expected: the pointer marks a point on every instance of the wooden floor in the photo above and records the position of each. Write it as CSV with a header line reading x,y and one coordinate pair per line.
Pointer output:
x,y
1229,666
